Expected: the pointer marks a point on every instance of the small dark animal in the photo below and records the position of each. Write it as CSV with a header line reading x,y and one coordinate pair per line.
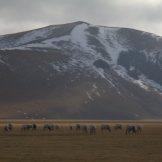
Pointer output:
x,y
105,128
48,127
34,127
84,129
138,129
71,128
92,130
8,127
29,127
130,130
78,127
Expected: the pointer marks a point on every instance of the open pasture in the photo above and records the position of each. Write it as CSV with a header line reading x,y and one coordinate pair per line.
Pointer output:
x,y
64,145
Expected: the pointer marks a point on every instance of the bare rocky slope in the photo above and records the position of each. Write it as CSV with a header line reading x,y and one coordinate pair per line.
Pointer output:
x,y
81,71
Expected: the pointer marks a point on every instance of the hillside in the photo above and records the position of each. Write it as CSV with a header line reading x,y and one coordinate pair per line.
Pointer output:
x,y
81,71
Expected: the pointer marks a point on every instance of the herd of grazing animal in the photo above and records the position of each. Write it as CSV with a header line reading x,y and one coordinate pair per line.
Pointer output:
x,y
29,127
84,129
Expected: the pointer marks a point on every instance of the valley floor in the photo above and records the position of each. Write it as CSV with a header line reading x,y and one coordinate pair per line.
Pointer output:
x,y
71,146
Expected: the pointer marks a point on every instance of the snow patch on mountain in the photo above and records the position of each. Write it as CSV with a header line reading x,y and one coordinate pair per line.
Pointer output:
x,y
151,84
89,96
143,81
14,48
65,38
109,38
141,84
78,35
41,46
1,61
132,68
49,43
121,71
35,35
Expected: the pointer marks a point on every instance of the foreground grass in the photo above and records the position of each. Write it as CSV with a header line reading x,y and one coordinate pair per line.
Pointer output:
x,y
66,146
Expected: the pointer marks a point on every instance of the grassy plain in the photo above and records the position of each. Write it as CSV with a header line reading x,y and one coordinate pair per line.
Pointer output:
x,y
68,146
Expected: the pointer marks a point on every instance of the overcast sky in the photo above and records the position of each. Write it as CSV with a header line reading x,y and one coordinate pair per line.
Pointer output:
x,y
19,15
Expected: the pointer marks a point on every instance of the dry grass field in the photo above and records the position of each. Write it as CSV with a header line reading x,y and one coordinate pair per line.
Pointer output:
x,y
68,146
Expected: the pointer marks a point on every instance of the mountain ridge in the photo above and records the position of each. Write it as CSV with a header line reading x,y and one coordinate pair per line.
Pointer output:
x,y
78,70
81,22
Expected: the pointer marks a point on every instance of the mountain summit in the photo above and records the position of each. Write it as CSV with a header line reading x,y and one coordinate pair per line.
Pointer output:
x,y
81,71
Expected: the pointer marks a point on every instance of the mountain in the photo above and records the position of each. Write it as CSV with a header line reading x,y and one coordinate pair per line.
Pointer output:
x,y
81,71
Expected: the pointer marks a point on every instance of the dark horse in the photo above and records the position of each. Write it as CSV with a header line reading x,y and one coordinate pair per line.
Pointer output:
x,y
8,127
29,127
92,130
131,129
81,128
84,129
78,127
138,129
49,127
105,128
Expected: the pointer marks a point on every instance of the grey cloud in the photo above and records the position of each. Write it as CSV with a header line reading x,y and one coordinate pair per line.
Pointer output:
x,y
17,15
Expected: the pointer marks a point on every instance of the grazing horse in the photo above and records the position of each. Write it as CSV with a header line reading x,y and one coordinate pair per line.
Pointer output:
x,y
26,127
34,127
133,129
78,127
118,127
138,129
84,129
71,127
92,130
49,127
105,128
8,127
130,130
29,127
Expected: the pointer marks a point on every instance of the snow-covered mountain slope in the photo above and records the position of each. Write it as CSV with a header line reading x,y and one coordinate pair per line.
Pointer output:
x,y
79,70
